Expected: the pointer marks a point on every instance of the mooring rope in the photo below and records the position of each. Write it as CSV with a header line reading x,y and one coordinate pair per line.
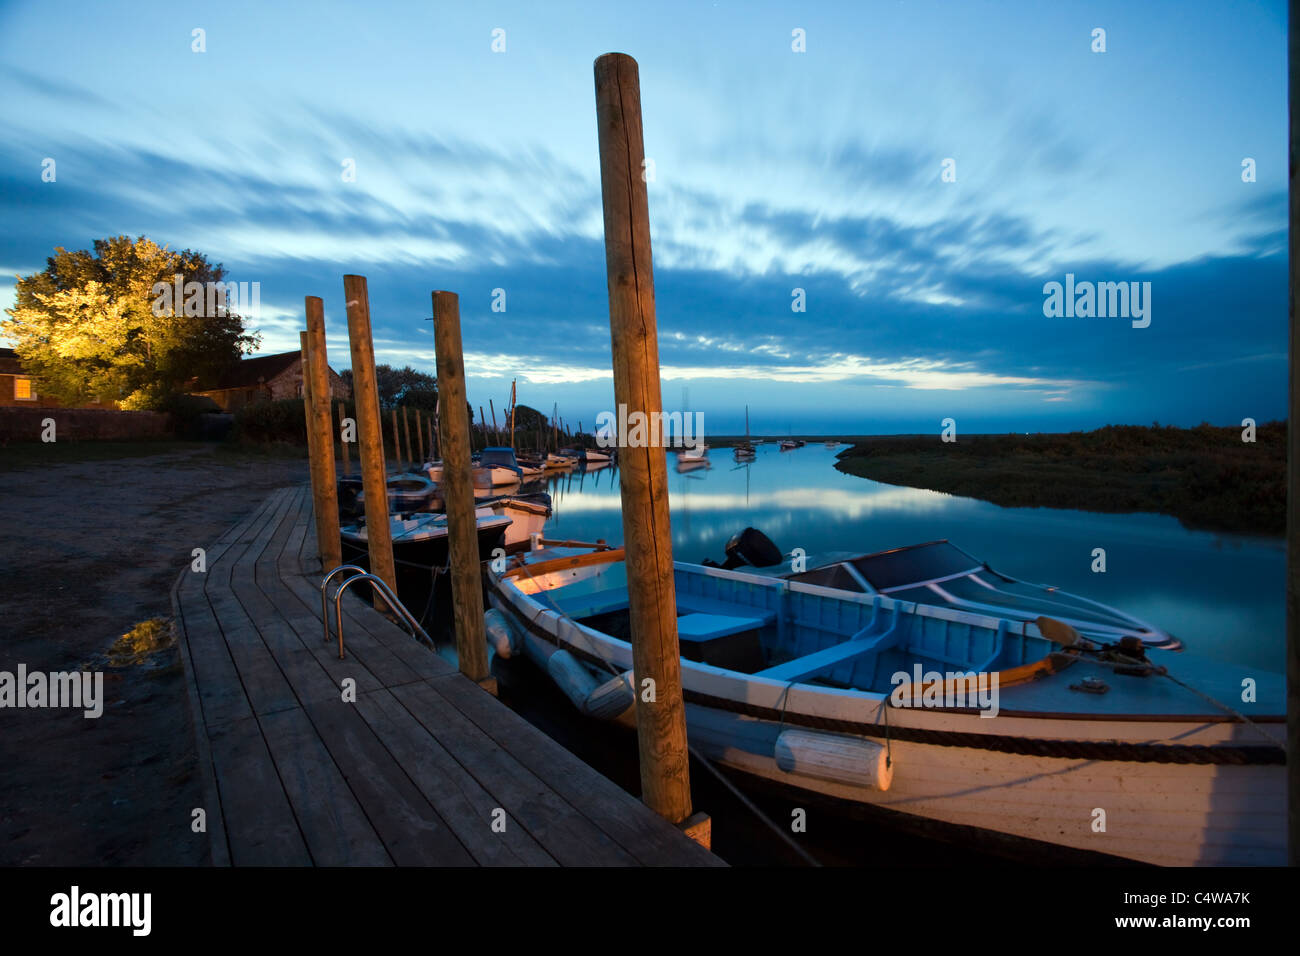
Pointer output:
x,y
1118,660
749,804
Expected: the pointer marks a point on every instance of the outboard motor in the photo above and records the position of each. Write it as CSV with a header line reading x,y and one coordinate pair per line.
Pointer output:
x,y
750,548
349,489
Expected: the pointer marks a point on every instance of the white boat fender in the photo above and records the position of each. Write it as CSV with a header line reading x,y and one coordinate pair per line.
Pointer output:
x,y
612,699
835,757
605,701
502,639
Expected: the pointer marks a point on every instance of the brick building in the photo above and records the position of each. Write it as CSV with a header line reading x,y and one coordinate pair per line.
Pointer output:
x,y
17,388
265,378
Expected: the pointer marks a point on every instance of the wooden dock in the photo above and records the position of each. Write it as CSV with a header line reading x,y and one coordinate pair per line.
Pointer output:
x,y
424,768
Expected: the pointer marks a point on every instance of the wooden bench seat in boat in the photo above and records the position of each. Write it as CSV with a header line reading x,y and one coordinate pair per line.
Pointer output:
x,y
710,631
723,640
859,645
698,628
695,604
592,603
579,606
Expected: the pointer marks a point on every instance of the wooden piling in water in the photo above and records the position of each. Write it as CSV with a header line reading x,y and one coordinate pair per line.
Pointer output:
x,y
496,433
419,437
365,394
397,442
343,442
324,480
406,435
661,720
458,493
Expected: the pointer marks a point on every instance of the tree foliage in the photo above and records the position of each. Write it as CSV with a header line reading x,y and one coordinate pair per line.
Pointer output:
x,y
87,326
402,387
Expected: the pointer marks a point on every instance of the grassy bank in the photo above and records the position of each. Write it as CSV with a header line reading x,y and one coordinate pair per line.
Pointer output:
x,y
1207,477
17,455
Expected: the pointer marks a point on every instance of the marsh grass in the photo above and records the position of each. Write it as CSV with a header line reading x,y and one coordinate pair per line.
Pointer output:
x,y
1206,477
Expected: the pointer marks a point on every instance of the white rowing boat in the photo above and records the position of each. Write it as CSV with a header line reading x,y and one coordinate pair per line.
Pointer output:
x,y
870,699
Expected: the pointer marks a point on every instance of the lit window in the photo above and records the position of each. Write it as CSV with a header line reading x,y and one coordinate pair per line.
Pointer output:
x,y
23,390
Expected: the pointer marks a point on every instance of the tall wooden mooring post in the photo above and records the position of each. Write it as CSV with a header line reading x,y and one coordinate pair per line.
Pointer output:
x,y
647,539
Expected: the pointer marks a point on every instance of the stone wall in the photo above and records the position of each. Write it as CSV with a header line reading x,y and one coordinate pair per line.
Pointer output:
x,y
82,424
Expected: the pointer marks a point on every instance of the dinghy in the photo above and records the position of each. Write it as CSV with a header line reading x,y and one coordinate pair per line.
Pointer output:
x,y
420,547
1010,727
528,514
690,459
745,449
495,463
941,574
406,492
587,457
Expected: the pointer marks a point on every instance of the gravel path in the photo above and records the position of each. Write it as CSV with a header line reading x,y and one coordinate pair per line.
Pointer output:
x,y
90,549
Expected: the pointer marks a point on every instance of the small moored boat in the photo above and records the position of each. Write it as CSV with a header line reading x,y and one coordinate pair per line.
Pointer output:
x,y
941,574
1012,727
497,466
420,547
411,491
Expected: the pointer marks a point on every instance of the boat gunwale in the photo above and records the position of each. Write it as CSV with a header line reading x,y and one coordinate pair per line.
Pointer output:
x,y
812,694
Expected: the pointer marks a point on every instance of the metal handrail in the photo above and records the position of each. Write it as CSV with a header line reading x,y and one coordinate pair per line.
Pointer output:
x,y
324,601
377,584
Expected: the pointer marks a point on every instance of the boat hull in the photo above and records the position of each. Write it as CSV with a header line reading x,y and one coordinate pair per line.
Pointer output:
x,y
1166,790
414,561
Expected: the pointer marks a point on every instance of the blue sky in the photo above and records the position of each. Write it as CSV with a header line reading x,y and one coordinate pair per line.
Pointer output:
x,y
774,170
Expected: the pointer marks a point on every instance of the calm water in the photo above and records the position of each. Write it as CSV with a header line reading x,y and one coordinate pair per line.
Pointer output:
x,y
1221,594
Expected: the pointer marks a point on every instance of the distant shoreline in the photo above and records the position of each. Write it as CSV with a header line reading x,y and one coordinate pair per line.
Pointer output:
x,y
1206,477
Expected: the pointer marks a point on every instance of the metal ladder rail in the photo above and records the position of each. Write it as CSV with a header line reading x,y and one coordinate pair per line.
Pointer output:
x,y
377,585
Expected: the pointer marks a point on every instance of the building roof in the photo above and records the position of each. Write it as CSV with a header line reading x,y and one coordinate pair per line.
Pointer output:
x,y
9,364
247,373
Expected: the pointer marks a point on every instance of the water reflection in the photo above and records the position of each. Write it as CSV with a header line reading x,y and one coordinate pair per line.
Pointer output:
x,y
1222,594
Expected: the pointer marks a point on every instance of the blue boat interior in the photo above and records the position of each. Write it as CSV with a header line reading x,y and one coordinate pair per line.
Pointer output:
x,y
767,629
939,572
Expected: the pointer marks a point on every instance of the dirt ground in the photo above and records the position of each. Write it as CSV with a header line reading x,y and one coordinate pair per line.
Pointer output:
x,y
93,537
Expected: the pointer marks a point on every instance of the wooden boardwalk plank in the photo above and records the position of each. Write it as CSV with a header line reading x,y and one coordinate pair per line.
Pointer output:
x,y
411,829
267,689
652,839
448,786
412,766
332,822
261,827
526,799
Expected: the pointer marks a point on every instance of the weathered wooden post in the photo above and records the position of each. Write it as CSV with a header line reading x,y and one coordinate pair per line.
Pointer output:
x,y
406,435
458,493
397,442
343,442
304,360
1293,476
365,388
419,437
496,433
656,661
324,481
